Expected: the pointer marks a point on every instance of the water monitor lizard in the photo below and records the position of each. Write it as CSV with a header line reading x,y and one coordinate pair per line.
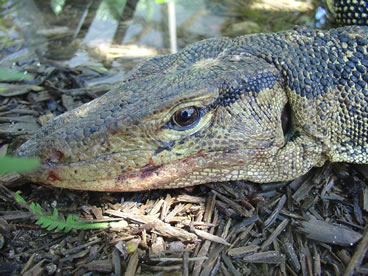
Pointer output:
x,y
263,107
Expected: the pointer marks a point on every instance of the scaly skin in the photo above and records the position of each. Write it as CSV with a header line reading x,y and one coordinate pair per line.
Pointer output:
x,y
243,91
349,12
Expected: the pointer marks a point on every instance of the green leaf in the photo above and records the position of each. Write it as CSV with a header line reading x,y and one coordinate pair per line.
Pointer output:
x,y
57,6
9,75
36,208
19,198
58,223
163,1
16,164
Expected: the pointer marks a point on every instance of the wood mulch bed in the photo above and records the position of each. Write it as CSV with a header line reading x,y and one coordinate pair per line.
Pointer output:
x,y
311,226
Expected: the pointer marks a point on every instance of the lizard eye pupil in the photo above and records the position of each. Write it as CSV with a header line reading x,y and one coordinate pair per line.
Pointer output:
x,y
186,116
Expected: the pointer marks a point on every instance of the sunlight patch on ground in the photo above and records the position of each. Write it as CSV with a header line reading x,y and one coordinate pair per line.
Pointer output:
x,y
285,5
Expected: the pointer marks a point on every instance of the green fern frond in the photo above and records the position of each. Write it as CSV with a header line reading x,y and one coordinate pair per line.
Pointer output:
x,y
36,208
19,199
58,223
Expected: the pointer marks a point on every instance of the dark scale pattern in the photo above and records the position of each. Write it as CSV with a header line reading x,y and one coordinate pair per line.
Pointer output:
x,y
334,69
155,65
317,65
232,91
351,12
323,64
303,62
201,51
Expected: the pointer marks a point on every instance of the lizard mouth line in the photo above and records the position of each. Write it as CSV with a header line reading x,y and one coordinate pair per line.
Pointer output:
x,y
169,175
142,178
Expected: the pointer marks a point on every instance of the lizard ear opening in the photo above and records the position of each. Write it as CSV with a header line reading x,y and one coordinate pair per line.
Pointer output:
x,y
286,120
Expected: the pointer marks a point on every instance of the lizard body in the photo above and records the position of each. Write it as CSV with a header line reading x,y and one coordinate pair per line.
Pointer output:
x,y
263,107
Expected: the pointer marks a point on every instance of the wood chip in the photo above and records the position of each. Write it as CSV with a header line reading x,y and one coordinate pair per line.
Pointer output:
x,y
271,219
163,259
104,266
230,265
358,256
329,233
173,269
239,209
166,206
214,254
41,96
210,207
303,190
70,257
97,212
274,234
243,250
207,236
156,208
17,215
132,265
177,209
316,261
116,262
268,257
164,229
9,90
37,269
365,199
186,264
29,263
11,130
43,119
291,254
203,251
157,247
190,199
78,248
68,102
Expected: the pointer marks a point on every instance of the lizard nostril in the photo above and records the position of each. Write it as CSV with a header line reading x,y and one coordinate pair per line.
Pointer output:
x,y
55,157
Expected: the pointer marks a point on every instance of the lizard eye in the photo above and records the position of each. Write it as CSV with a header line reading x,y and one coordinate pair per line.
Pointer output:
x,y
186,117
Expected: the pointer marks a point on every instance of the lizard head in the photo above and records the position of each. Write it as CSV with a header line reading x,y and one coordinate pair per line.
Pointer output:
x,y
207,113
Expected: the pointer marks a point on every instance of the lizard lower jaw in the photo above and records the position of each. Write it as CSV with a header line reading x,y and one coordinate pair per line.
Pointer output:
x,y
144,178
